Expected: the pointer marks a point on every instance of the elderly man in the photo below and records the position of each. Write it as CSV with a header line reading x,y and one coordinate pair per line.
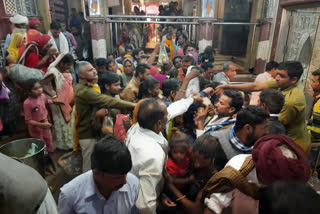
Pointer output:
x,y
107,188
87,100
236,187
229,71
20,24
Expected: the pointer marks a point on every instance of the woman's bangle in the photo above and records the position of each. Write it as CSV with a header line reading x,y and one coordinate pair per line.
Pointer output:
x,y
54,96
182,197
182,90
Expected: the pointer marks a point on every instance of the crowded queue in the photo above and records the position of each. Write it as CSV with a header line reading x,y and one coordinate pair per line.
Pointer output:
x,y
158,138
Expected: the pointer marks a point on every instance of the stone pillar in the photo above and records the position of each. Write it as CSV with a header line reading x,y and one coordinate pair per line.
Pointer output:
x,y
205,36
263,46
99,45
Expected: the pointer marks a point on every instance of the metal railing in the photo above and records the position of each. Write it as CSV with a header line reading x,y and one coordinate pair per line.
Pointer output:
x,y
187,23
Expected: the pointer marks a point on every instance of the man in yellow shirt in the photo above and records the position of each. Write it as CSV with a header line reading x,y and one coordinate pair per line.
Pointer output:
x,y
314,124
292,115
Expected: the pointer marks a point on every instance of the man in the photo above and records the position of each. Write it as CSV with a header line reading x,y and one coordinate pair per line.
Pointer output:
x,y
229,71
186,62
129,50
169,89
138,52
190,50
236,188
177,62
208,70
101,64
292,115
227,106
74,19
269,74
59,41
148,150
108,187
31,195
314,124
87,100
251,124
20,25
130,93
272,101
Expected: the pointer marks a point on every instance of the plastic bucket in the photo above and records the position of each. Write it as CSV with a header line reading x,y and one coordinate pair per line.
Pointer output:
x,y
18,150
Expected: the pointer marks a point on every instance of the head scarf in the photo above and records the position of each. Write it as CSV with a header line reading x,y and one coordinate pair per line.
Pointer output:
x,y
128,56
161,78
32,35
15,44
18,19
126,60
277,157
34,22
42,40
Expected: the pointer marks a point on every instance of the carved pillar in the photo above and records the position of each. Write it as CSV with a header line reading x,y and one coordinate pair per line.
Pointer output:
x,y
99,48
206,36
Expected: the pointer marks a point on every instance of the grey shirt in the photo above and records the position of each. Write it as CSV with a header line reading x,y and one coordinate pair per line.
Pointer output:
x,y
221,78
228,150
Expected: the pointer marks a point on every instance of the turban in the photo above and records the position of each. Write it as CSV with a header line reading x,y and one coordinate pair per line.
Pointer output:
x,y
18,19
33,22
277,157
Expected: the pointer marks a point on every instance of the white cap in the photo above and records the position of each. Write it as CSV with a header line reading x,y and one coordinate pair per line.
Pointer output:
x,y
18,19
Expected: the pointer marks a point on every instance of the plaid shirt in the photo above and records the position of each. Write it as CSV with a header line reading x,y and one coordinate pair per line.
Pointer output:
x,y
237,143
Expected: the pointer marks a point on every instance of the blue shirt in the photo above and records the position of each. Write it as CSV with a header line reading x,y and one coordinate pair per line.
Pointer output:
x,y
82,196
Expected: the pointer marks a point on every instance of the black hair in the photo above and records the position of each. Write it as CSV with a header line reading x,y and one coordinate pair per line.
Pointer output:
x,y
272,98
101,62
252,115
150,113
136,52
316,73
170,85
183,35
186,47
128,47
55,25
30,84
289,198
188,59
174,59
173,73
272,65
149,83
141,69
179,139
109,78
111,156
206,65
68,58
206,145
236,99
214,84
206,58
203,82
294,68
109,61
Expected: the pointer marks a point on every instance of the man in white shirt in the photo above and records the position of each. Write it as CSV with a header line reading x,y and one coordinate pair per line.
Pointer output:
x,y
107,188
59,40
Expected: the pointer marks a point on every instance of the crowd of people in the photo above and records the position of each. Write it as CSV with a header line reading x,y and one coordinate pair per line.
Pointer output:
x,y
159,138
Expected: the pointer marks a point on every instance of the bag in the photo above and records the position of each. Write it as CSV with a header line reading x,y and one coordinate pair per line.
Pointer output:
x,y
107,126
163,56
119,131
4,92
22,74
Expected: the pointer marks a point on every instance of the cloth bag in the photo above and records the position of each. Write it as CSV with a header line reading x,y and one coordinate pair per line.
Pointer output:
x,y
4,92
22,74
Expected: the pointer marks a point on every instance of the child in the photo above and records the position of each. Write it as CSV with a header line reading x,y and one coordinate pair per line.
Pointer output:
x,y
36,114
178,161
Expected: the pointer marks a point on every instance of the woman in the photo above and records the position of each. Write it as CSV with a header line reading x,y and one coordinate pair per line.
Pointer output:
x,y
39,53
127,74
16,43
149,88
182,41
57,83
112,66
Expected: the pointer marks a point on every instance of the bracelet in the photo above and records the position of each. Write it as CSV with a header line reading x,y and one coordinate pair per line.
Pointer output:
x,y
182,197
54,96
182,90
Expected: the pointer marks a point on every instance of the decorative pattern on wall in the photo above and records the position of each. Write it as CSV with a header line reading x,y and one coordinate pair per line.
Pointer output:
x,y
22,7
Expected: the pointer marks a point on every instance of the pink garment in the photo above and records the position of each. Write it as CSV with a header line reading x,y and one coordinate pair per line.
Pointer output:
x,y
72,40
180,52
35,111
261,78
65,94
119,130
